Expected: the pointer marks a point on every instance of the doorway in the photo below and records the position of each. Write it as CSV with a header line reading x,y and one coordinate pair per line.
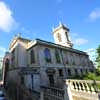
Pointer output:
x,y
51,80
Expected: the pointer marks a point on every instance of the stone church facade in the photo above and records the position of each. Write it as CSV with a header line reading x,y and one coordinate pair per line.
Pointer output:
x,y
38,64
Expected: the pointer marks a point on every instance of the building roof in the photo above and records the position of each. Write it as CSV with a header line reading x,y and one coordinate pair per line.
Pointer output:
x,y
14,40
32,43
61,26
42,42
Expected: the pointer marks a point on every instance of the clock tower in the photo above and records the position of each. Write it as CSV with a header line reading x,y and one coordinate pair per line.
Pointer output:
x,y
61,36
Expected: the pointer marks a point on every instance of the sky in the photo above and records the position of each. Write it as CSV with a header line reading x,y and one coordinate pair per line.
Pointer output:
x,y
36,18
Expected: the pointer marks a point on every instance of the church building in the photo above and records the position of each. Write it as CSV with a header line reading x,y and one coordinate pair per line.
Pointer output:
x,y
38,63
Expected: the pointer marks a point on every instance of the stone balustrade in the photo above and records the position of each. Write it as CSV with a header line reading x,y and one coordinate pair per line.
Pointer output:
x,y
83,85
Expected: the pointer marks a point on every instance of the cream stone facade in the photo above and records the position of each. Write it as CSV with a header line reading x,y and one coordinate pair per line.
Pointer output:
x,y
61,36
36,64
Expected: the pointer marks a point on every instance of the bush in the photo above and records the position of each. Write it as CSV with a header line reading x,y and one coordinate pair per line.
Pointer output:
x,y
90,76
93,75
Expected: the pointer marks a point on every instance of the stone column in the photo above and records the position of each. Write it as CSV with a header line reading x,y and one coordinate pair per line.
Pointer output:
x,y
92,88
83,87
88,90
41,94
80,88
67,91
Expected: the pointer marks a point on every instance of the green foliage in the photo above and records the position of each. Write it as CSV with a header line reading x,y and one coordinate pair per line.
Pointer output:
x,y
98,72
76,77
90,76
98,85
98,50
93,75
98,56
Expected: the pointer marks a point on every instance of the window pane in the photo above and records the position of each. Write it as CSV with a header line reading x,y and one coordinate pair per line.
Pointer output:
x,y
47,55
60,72
57,56
59,37
32,56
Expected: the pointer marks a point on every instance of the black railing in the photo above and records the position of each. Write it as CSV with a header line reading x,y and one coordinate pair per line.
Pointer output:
x,y
51,93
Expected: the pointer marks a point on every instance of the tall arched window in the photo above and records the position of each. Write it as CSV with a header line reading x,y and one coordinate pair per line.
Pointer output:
x,y
47,55
7,62
69,72
59,37
67,36
57,56
66,60
32,56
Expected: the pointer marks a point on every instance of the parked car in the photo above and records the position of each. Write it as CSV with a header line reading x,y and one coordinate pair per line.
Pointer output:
x,y
2,95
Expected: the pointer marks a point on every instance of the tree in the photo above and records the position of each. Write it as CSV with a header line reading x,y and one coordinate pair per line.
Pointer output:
x,y
98,56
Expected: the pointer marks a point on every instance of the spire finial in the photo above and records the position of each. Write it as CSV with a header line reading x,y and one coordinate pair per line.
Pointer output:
x,y
19,35
60,23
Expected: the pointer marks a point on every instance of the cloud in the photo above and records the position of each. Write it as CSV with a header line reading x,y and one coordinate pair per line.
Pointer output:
x,y
80,41
75,34
92,53
94,15
25,30
2,49
77,40
7,21
90,50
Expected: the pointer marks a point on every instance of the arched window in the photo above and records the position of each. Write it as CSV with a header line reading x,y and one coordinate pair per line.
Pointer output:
x,y
66,59
81,70
60,72
59,37
32,57
7,62
71,59
69,72
47,55
57,56
67,36
22,80
76,72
